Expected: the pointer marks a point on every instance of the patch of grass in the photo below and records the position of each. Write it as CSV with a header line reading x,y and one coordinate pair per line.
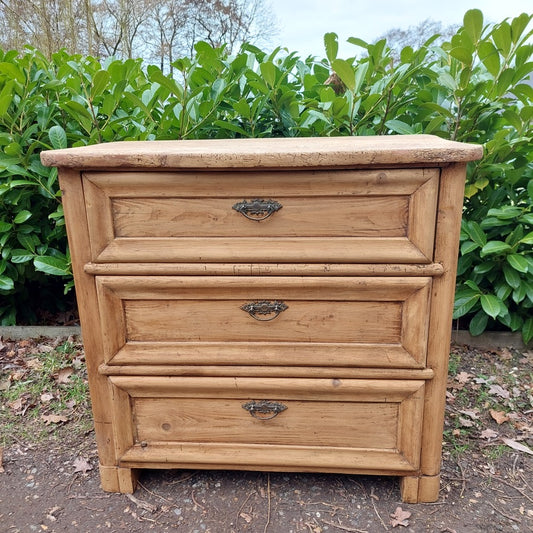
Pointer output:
x,y
495,452
453,363
44,387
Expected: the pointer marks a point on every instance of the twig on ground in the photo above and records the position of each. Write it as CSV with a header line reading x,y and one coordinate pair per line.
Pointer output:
x,y
244,503
344,528
463,479
269,503
512,518
142,504
154,494
378,515
196,502
514,487
184,478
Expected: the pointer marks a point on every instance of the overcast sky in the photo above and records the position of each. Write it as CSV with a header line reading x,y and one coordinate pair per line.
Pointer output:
x,y
303,23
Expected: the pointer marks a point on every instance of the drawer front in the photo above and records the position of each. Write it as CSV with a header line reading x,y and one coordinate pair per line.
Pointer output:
x,y
272,421
171,320
299,216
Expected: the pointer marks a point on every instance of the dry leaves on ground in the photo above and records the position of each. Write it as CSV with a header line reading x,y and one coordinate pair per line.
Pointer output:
x,y
400,517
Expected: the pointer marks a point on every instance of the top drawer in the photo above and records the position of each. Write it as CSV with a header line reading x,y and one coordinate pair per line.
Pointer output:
x,y
344,216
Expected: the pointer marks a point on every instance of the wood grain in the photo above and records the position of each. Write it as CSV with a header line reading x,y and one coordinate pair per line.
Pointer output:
x,y
363,252
294,152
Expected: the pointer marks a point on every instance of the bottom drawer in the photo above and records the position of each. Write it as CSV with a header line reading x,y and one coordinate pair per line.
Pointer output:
x,y
275,423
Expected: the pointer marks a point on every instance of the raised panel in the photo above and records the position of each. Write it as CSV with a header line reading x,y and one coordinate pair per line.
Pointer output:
x,y
356,216
355,321
381,417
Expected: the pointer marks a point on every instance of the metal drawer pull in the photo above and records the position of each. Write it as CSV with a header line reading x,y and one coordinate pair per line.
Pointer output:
x,y
263,409
264,307
257,209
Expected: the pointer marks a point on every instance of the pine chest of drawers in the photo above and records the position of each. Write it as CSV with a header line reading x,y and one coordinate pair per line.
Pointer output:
x,y
272,304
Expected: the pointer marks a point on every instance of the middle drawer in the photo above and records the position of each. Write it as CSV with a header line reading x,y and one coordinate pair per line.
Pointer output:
x,y
287,321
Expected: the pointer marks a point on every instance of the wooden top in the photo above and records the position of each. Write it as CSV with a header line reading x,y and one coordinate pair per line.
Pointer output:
x,y
311,152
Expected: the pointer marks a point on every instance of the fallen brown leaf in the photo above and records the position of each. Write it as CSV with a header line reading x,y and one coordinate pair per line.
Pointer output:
x,y
499,416
499,391
400,517
472,413
35,364
517,446
488,434
465,422
63,376
46,397
54,419
505,354
2,461
17,404
463,377
81,465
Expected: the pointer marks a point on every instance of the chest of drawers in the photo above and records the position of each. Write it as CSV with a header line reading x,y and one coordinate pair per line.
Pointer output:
x,y
273,304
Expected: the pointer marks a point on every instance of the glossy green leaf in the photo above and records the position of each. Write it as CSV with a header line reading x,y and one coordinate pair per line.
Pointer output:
x,y
12,71
527,239
518,262
331,45
478,324
20,255
490,57
55,266
527,330
462,54
473,24
491,305
100,81
501,35
511,276
463,305
345,71
268,71
22,216
58,137
399,127
476,233
6,283
494,247
468,246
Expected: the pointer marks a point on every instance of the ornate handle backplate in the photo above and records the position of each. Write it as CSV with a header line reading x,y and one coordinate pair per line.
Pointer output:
x,y
257,209
265,308
264,409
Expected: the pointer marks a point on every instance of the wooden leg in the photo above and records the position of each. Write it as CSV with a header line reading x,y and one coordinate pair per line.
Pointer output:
x,y
116,479
409,489
423,489
428,489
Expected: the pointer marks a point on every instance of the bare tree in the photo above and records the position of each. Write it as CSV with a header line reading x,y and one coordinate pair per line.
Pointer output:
x,y
45,24
154,29
417,36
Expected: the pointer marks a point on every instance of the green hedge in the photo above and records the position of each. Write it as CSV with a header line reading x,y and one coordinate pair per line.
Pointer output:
x,y
476,88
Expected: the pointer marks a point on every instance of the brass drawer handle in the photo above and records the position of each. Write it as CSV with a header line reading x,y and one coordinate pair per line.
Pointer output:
x,y
264,409
264,307
257,209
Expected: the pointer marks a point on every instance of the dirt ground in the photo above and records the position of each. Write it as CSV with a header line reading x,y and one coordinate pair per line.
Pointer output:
x,y
49,479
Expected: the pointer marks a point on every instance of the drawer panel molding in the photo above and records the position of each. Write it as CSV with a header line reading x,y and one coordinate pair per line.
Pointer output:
x,y
382,416
378,322
359,216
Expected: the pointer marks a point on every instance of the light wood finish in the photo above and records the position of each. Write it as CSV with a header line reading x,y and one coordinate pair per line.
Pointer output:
x,y
261,269
377,415
362,252
266,371
332,152
357,216
192,320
